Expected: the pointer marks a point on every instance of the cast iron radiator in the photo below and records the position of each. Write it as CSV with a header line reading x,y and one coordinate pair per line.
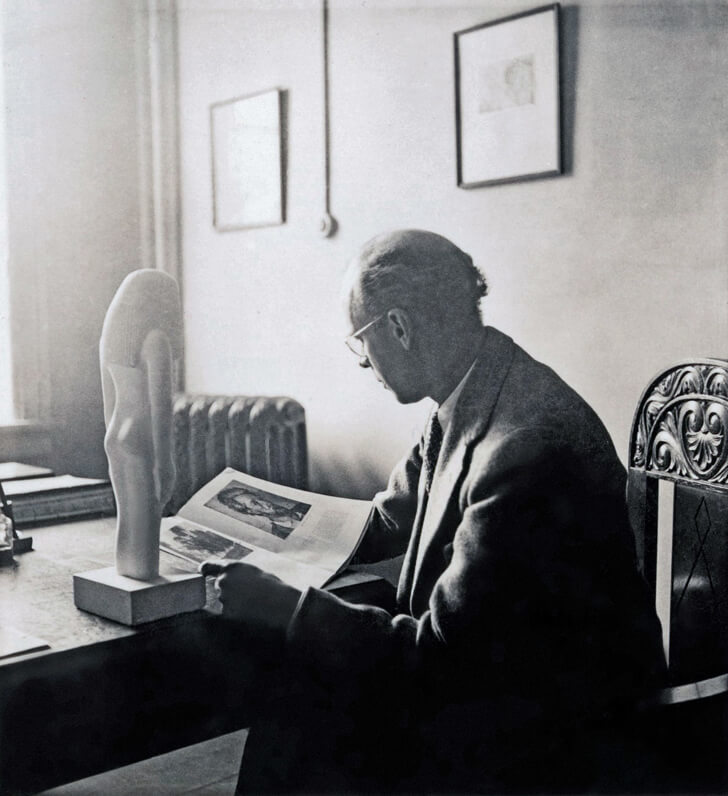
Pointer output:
x,y
262,436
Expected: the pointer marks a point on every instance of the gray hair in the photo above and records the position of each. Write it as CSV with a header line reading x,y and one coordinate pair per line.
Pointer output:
x,y
423,272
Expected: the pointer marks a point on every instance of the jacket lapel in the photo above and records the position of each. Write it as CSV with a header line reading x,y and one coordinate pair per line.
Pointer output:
x,y
406,578
469,422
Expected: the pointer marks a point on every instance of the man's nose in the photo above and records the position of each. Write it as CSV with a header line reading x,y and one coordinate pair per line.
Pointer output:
x,y
364,362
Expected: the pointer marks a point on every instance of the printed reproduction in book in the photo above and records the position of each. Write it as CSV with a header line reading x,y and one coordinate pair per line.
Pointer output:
x,y
302,537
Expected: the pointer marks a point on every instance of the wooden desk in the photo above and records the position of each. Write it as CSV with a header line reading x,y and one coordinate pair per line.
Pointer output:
x,y
105,695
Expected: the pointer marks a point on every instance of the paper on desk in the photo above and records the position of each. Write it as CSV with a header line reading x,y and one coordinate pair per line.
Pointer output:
x,y
13,642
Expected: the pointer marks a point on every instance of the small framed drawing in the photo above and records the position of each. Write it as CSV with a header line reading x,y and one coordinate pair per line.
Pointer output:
x,y
247,161
507,99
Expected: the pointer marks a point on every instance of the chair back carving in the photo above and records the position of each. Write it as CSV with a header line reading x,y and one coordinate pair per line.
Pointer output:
x,y
681,424
678,497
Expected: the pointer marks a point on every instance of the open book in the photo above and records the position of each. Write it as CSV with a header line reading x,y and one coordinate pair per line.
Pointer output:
x,y
301,537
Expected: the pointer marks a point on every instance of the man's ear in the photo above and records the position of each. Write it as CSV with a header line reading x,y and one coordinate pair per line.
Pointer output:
x,y
400,327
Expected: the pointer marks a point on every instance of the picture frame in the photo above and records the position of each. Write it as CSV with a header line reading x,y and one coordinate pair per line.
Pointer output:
x,y
507,99
248,172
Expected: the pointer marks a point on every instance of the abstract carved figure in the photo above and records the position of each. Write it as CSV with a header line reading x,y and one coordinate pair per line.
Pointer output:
x,y
141,345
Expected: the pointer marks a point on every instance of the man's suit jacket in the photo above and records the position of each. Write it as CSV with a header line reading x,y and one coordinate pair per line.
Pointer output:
x,y
520,602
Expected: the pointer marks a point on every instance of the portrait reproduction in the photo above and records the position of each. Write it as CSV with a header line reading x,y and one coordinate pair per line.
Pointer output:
x,y
263,510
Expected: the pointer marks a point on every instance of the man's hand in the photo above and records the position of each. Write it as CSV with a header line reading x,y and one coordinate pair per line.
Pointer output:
x,y
252,597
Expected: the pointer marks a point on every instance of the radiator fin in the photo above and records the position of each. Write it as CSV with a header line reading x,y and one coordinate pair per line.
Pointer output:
x,y
259,435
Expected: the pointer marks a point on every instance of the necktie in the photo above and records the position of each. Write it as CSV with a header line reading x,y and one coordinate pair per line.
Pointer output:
x,y
433,442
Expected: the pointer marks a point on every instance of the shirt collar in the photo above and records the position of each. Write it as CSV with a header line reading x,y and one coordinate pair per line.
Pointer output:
x,y
446,408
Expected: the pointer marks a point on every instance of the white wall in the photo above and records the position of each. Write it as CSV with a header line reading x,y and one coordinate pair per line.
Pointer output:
x,y
607,273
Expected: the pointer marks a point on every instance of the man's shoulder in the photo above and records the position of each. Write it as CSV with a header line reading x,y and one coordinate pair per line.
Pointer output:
x,y
535,394
534,407
518,389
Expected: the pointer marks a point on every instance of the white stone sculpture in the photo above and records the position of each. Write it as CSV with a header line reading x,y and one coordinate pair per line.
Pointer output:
x,y
141,345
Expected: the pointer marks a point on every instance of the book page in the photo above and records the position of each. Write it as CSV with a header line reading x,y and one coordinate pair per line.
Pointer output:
x,y
195,544
303,528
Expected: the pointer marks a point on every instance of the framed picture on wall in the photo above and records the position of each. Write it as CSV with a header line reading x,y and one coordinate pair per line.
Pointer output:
x,y
247,161
507,99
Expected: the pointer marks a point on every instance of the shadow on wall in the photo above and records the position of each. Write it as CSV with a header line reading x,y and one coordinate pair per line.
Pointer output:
x,y
350,476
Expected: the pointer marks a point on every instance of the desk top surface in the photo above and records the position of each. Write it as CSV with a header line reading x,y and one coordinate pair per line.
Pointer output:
x,y
105,695
36,593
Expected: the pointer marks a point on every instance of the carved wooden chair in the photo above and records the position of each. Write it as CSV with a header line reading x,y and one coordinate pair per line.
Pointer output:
x,y
678,498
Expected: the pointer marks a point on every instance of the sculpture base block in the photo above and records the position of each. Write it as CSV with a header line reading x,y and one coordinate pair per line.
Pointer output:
x,y
106,593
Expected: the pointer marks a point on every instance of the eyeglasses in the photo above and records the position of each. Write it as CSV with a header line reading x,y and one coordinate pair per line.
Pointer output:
x,y
354,341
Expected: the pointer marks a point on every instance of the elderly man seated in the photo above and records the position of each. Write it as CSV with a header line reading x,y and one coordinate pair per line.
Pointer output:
x,y
523,629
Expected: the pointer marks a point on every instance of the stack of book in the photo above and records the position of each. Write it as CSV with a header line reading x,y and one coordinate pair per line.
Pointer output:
x,y
14,471
48,499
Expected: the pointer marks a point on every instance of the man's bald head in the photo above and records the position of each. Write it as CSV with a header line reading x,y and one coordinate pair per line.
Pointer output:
x,y
414,303
419,271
